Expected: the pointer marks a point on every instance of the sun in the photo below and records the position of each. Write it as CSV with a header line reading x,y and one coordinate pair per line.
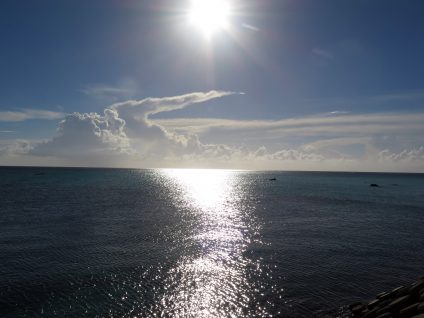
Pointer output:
x,y
209,16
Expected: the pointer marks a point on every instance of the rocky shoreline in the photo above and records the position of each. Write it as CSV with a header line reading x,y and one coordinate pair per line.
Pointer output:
x,y
402,302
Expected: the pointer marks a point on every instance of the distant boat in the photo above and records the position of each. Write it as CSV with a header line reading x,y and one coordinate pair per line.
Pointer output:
x,y
374,185
273,179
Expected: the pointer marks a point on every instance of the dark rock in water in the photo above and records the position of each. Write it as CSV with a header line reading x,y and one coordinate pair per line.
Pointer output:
x,y
415,289
358,308
383,310
374,303
401,302
370,314
374,185
354,305
391,294
402,291
273,179
409,311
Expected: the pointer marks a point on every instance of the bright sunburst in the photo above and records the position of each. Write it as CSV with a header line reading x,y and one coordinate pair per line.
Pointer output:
x,y
209,16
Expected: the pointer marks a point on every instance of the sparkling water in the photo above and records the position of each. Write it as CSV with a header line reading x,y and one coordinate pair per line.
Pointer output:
x,y
203,243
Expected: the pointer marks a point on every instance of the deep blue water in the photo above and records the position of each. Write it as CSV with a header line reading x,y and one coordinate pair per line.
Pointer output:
x,y
203,243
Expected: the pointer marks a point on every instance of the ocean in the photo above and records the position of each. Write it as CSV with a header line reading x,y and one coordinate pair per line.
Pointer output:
x,y
78,242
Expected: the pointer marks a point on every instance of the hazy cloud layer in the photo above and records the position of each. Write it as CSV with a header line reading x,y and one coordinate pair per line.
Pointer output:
x,y
27,114
304,125
15,148
412,155
126,88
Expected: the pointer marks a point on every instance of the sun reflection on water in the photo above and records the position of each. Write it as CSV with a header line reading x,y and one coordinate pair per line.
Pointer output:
x,y
213,281
204,188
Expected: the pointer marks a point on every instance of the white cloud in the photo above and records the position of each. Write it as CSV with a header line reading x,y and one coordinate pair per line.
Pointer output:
x,y
336,142
155,139
371,130
250,27
408,155
344,142
125,130
125,89
150,106
15,147
87,135
27,114
358,119
126,135
338,112
100,90
295,155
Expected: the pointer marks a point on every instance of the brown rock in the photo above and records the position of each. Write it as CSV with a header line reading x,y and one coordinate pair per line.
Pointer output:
x,y
409,311
395,305
354,304
384,303
397,289
399,302
402,291
416,288
374,303
358,308
384,310
386,295
370,314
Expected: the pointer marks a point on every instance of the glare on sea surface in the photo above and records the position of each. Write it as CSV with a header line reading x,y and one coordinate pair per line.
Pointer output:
x,y
205,188
209,16
212,282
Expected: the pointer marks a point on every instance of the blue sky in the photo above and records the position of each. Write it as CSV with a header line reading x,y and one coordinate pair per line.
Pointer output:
x,y
305,85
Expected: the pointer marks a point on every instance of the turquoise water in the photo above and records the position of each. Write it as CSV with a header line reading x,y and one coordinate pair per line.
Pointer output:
x,y
203,243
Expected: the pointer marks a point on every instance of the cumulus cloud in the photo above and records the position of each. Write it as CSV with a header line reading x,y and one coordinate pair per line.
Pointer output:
x,y
86,135
125,129
27,114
